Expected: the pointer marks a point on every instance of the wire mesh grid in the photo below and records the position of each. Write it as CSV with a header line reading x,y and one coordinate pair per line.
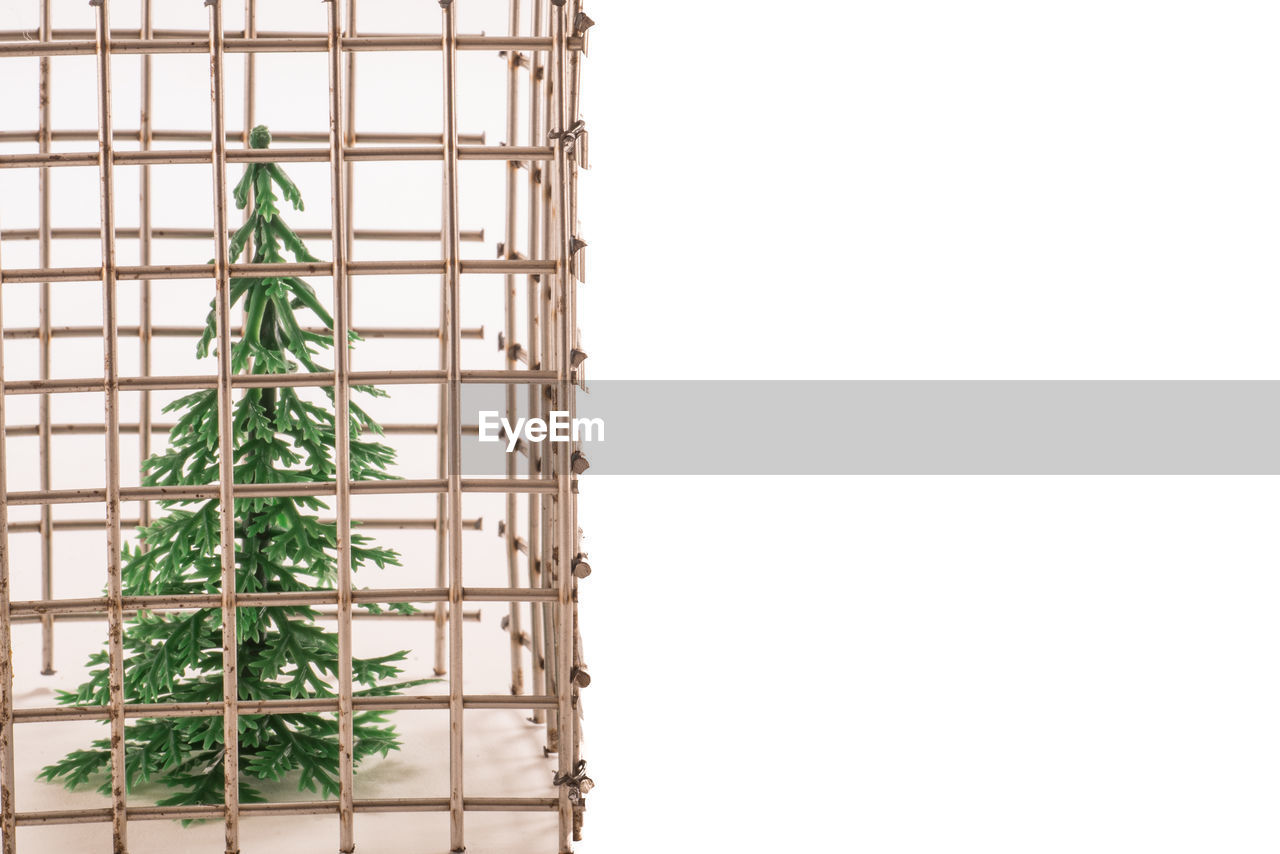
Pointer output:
x,y
542,52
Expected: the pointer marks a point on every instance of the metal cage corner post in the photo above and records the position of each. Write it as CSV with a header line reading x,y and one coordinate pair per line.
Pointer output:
x,y
544,42
8,823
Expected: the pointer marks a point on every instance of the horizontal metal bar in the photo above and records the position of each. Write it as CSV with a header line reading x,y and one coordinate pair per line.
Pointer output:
x,y
159,427
277,44
33,332
504,594
278,490
317,268
381,805
234,136
306,705
65,33
385,524
280,599
319,379
465,152
153,157
163,33
184,383
387,234
322,613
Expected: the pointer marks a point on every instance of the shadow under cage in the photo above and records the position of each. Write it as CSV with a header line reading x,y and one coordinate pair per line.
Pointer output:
x,y
410,311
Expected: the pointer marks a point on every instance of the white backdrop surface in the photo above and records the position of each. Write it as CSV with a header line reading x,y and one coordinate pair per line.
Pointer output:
x,y
934,190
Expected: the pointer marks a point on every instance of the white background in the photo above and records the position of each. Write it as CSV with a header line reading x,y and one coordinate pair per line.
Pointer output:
x,y
929,190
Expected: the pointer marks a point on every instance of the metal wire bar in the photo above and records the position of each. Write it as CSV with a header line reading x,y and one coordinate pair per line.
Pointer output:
x,y
44,233
248,123
197,331
145,329
381,805
342,437
564,474
533,305
7,793
577,158
321,613
440,666
350,141
275,44
572,162
381,234
547,330
250,79
111,408
574,59
400,702
317,379
452,419
226,444
509,324
123,135
370,524
250,31
274,490
316,268
93,429
277,599
366,154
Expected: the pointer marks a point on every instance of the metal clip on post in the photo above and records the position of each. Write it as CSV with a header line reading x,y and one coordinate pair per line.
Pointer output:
x,y
577,781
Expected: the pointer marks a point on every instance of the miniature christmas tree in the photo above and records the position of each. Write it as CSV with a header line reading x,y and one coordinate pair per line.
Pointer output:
x,y
281,545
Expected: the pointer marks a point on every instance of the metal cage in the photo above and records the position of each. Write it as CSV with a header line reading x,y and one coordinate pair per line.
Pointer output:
x,y
544,561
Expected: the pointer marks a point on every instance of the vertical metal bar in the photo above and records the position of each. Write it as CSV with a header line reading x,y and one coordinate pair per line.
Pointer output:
x,y
349,235
537,569
442,471
564,494
547,327
111,407
8,823
226,439
46,340
440,667
451,425
509,324
569,190
547,453
572,735
573,75
250,79
144,258
250,106
342,438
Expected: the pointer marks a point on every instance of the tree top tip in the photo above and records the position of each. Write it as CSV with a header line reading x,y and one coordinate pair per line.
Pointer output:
x,y
259,137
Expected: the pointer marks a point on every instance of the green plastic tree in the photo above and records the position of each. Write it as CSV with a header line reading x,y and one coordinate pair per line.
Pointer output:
x,y
281,545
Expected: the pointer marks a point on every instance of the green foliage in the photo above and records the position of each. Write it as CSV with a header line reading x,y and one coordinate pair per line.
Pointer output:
x,y
281,546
